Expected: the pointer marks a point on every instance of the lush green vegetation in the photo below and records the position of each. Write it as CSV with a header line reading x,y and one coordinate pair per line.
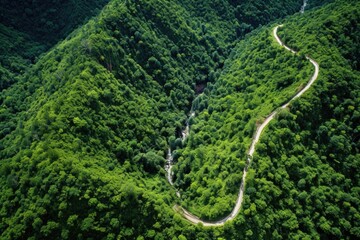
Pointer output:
x,y
303,182
29,28
85,129
211,165
18,52
308,161
48,21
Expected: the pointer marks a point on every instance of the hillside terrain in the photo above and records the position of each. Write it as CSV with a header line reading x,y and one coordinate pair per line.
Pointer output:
x,y
48,21
30,28
95,92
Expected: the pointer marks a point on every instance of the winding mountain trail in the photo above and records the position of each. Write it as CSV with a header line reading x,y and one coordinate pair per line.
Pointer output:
x,y
194,219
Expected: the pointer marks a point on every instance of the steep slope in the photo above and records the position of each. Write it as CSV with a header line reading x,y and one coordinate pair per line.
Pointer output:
x,y
84,131
254,13
48,21
92,118
18,51
255,139
311,155
303,181
29,28
144,50
216,148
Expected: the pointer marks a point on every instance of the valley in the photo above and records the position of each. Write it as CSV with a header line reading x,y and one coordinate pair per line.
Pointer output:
x,y
159,119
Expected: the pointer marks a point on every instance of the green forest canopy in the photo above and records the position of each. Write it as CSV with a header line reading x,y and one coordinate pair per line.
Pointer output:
x,y
85,126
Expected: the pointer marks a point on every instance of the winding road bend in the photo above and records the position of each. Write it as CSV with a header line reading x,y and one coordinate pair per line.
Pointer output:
x,y
194,219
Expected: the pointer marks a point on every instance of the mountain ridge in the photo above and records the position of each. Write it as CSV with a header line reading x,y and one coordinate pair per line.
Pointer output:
x,y
85,131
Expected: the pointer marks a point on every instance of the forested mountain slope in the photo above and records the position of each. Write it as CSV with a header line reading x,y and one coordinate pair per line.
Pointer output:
x,y
303,181
29,28
85,130
228,113
18,51
48,21
311,154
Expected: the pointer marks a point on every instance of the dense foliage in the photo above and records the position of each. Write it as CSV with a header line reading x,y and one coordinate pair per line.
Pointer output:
x,y
310,157
18,52
29,28
303,182
228,114
84,131
47,21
